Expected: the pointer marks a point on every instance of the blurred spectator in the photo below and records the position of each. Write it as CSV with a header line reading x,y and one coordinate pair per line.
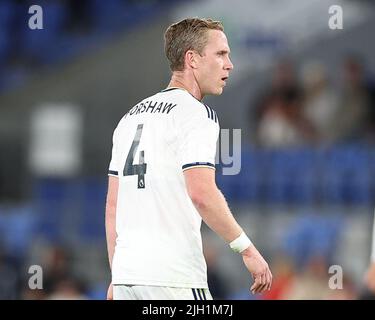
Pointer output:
x,y
320,101
243,294
80,19
352,117
311,235
8,278
369,279
311,283
282,79
277,112
56,266
215,281
311,243
33,294
67,288
282,123
60,282
348,291
283,276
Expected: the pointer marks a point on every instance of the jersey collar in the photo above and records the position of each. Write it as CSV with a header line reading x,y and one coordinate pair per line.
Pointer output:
x,y
172,88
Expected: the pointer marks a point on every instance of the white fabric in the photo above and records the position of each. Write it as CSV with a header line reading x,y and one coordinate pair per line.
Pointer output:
x,y
241,243
129,292
159,241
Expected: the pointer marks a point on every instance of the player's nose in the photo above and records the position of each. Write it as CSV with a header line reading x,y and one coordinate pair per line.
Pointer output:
x,y
229,65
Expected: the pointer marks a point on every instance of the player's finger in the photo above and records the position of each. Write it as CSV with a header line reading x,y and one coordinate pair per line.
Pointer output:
x,y
263,284
253,287
256,283
260,288
259,284
267,280
264,279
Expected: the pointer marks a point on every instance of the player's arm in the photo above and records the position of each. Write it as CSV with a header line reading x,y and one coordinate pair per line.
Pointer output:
x,y
370,274
370,277
213,208
110,223
110,216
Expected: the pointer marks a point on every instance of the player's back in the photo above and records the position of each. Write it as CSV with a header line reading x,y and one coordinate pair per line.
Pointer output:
x,y
158,227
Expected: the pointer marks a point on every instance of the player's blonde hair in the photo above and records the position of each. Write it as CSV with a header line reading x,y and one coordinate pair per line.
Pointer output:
x,y
188,34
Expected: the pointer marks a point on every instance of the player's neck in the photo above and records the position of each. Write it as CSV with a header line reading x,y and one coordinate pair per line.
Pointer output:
x,y
184,81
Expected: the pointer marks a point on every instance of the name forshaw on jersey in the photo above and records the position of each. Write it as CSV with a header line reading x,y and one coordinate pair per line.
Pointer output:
x,y
151,107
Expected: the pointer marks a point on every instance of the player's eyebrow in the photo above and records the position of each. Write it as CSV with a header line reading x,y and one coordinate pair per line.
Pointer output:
x,y
223,52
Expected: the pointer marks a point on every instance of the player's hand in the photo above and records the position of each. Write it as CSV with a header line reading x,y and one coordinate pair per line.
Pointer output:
x,y
110,292
258,268
370,277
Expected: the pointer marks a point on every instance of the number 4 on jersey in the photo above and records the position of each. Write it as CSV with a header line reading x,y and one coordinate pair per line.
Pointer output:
x,y
131,169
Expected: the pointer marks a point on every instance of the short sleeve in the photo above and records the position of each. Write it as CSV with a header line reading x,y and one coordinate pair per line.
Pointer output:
x,y
198,134
113,165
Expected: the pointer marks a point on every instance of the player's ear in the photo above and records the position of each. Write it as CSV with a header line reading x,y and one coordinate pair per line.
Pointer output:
x,y
190,59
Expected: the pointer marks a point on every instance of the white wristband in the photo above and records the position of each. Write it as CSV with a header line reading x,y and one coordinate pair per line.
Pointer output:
x,y
241,243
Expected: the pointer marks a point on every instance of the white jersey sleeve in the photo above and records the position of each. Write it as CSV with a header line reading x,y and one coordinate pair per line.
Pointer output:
x,y
198,131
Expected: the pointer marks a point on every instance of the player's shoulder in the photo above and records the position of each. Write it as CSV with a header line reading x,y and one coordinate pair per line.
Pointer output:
x,y
202,111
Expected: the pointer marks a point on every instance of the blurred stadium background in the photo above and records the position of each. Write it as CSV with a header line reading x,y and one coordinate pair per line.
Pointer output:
x,y
302,94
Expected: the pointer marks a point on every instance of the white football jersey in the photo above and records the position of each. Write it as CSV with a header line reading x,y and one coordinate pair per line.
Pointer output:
x,y
158,228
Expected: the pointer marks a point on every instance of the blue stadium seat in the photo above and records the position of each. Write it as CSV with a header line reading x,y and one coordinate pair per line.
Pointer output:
x,y
227,184
372,173
346,175
246,181
339,174
7,8
313,234
91,224
98,292
306,169
17,229
108,15
50,198
6,18
5,46
41,45
248,184
291,176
